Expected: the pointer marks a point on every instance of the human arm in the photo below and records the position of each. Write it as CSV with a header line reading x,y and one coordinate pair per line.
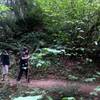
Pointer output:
x,y
26,57
1,59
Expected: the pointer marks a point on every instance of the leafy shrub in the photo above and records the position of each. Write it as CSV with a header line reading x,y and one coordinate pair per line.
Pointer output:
x,y
29,98
95,91
68,98
39,59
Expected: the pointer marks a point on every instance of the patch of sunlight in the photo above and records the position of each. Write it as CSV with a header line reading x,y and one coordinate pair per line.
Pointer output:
x,y
98,73
29,98
90,79
68,98
97,89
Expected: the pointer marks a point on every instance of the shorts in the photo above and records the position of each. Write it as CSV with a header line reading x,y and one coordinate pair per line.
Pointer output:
x,y
5,69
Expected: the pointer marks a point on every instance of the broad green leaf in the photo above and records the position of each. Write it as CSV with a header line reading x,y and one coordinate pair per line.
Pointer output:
x,y
29,98
4,7
90,79
93,93
68,98
98,73
97,89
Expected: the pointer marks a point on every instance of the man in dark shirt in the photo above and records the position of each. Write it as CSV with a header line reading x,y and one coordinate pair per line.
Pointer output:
x,y
5,65
23,63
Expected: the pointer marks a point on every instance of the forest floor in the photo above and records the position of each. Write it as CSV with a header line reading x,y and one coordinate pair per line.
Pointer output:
x,y
56,86
53,83
67,80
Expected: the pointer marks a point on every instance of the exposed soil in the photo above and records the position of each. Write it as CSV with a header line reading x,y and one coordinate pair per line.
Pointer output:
x,y
51,83
56,78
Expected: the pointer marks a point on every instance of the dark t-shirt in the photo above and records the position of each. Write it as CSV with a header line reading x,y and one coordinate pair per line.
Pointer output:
x,y
5,59
23,63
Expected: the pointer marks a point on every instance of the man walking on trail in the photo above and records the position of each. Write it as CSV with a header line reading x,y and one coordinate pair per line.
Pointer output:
x,y
24,57
5,61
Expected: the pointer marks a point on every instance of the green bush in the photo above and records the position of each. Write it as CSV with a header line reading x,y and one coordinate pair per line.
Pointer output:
x,y
39,59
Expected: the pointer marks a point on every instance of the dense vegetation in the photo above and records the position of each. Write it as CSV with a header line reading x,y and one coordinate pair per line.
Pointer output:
x,y
52,22
55,31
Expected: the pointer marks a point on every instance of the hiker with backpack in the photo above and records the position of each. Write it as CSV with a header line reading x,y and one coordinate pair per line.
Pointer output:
x,y
23,64
5,62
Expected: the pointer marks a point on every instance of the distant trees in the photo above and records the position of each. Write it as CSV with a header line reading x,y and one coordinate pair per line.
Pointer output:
x,y
18,17
49,22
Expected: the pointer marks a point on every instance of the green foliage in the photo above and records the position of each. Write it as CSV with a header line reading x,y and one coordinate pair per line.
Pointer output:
x,y
90,79
39,59
4,8
72,77
88,60
75,24
93,94
98,73
68,98
95,91
93,77
70,22
68,15
29,98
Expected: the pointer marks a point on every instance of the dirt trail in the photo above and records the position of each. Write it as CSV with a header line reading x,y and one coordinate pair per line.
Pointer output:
x,y
51,83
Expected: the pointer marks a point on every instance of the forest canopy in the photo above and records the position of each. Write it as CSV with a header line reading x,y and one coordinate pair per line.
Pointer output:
x,y
45,23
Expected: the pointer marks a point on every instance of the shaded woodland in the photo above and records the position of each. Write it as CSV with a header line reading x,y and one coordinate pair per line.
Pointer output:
x,y
63,37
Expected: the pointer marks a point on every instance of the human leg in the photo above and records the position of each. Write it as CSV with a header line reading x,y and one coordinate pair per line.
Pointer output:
x,y
20,75
26,74
6,72
3,72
